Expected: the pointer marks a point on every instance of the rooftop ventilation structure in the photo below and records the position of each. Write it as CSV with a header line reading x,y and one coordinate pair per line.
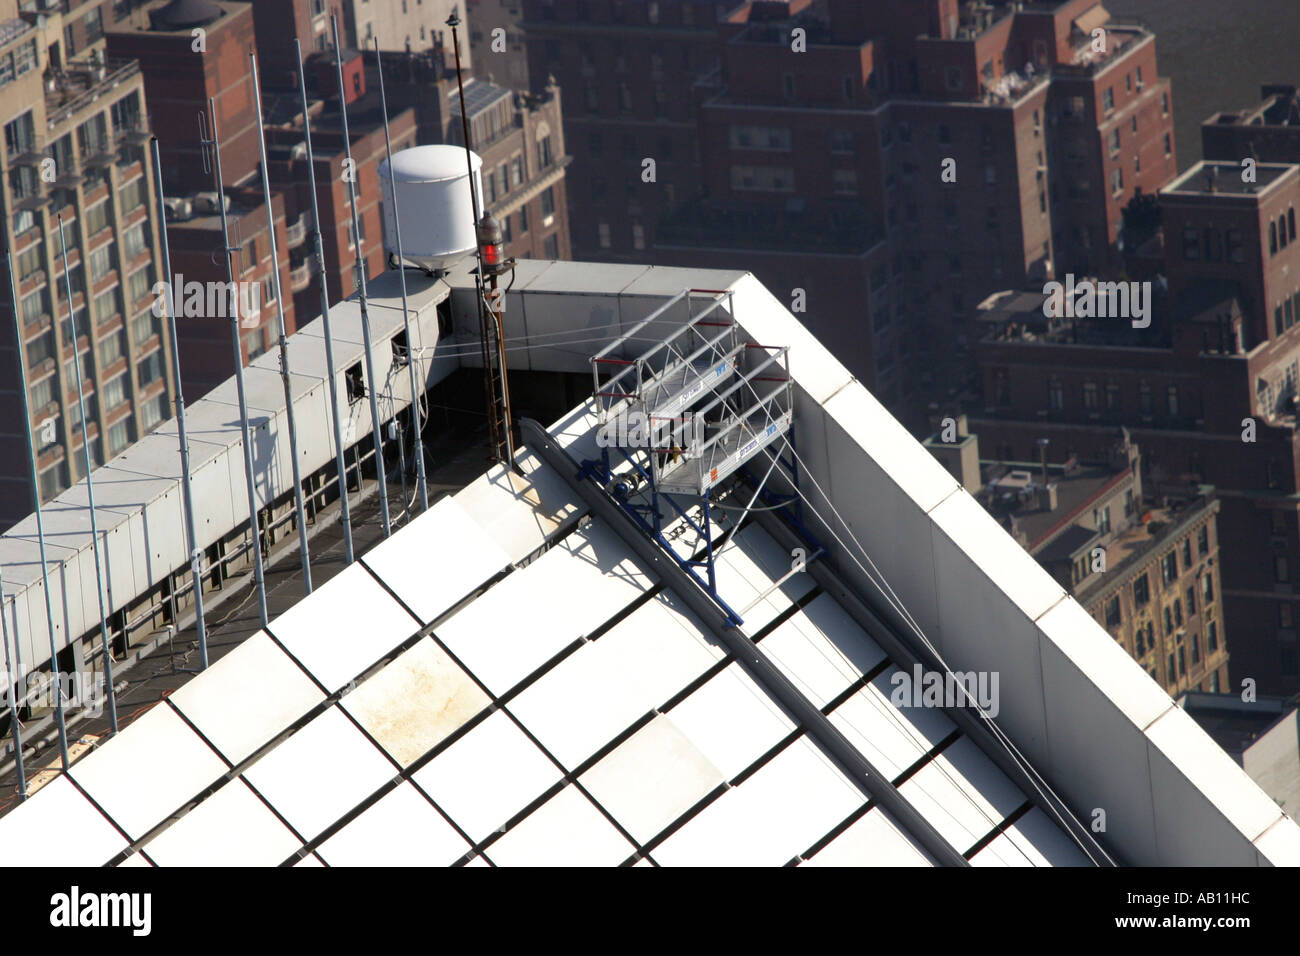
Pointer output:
x,y
680,422
185,15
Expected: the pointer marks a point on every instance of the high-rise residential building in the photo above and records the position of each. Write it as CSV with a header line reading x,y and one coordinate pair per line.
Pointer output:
x,y
1147,570
631,75
851,150
412,26
287,153
76,149
1208,390
191,51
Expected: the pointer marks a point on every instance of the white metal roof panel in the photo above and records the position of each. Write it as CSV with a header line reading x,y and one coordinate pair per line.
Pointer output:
x,y
248,697
320,773
487,776
59,807
789,804
436,560
135,784
892,738
749,565
1033,840
874,840
401,829
567,830
731,720
536,612
651,779
602,688
962,794
822,650
232,827
415,702
349,623
519,513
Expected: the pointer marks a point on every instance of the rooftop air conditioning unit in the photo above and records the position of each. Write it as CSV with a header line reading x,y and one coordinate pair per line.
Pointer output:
x,y
178,209
207,202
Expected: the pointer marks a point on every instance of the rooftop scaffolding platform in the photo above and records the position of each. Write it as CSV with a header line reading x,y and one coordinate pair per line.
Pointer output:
x,y
684,418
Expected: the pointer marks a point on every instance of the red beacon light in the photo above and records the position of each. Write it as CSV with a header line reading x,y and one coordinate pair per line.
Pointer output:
x,y
490,246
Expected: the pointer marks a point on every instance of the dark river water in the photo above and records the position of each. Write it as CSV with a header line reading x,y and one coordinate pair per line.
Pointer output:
x,y
1218,53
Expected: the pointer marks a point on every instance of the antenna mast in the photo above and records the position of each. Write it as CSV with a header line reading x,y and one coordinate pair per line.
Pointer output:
x,y
90,488
372,385
187,490
339,463
20,351
416,391
284,343
254,520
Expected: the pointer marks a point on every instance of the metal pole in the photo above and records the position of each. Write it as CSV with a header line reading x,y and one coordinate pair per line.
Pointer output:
x,y
90,488
255,530
187,490
339,462
13,677
284,341
372,389
20,351
406,315
489,392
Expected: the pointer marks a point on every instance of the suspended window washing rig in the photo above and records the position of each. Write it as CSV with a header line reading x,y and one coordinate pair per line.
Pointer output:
x,y
680,423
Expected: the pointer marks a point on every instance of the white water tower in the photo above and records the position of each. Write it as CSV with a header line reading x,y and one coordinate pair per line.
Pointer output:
x,y
433,203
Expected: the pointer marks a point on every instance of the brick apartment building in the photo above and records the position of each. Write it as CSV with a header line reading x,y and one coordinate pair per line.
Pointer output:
x,y
1208,390
180,75
823,130
288,158
1147,571
76,147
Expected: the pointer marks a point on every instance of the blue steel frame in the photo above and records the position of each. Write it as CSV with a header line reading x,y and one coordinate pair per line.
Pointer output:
x,y
650,520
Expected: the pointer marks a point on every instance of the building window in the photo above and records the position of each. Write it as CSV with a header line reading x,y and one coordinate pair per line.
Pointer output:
x,y
1203,540
1191,600
1169,145
144,327
1113,612
150,369
1280,569
603,232
1055,395
552,247
548,202
1090,396
1169,567
1171,396
1101,518
1108,99
1207,589
1141,590
844,182
114,392
772,138
1212,640
841,141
